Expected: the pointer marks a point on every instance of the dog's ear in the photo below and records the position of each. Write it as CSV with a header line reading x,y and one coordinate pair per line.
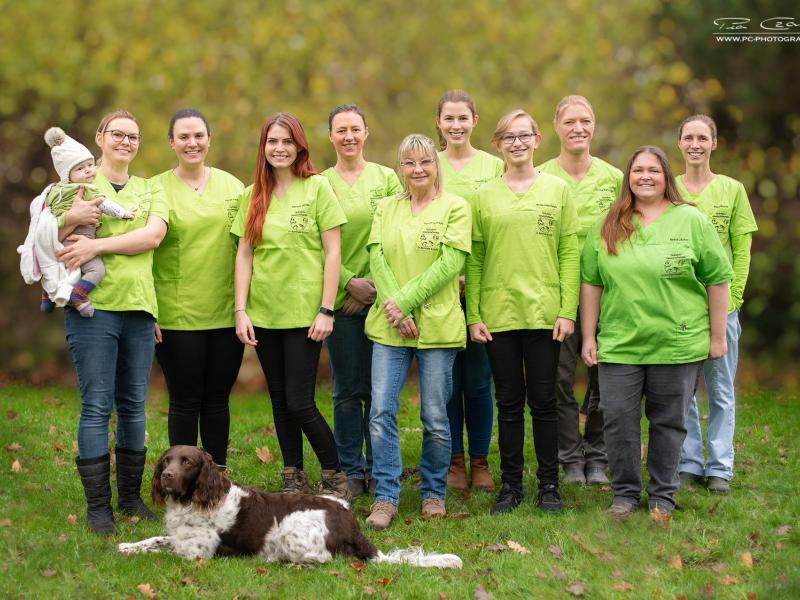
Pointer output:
x,y
157,492
211,484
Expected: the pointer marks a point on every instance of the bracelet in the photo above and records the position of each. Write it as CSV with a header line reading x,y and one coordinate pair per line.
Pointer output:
x,y
324,310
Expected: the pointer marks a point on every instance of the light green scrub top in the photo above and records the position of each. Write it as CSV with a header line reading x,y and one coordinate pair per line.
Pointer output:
x,y
724,201
654,307
593,195
193,266
358,202
411,244
523,272
465,183
288,263
128,282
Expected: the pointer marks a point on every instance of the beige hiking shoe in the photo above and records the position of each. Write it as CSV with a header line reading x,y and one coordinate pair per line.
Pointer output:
x,y
381,515
334,483
433,508
295,481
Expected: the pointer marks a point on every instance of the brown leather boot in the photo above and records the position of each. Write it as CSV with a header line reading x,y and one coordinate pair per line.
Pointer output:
x,y
479,474
457,474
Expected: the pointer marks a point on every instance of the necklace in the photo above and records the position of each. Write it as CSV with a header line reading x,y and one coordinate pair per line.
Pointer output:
x,y
190,183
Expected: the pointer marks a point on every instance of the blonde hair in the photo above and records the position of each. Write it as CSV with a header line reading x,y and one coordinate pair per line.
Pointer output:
x,y
505,122
569,101
117,113
422,145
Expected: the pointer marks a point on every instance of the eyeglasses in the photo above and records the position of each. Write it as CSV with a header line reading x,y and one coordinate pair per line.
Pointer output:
x,y
424,163
118,136
509,138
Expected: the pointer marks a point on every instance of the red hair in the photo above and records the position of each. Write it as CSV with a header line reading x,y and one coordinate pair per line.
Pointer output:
x,y
264,178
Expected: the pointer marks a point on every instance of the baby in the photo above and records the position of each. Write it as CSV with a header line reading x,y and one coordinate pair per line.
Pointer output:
x,y
75,166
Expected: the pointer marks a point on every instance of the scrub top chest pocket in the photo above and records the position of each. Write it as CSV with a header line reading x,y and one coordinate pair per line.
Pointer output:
x,y
430,235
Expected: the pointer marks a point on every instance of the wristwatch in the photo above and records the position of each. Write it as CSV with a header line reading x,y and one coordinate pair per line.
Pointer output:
x,y
324,310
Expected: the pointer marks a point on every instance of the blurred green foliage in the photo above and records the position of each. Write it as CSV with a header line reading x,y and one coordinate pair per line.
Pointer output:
x,y
644,64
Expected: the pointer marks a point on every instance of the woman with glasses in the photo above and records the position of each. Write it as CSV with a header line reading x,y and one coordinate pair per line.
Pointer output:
x,y
285,282
655,281
594,185
464,170
417,246
522,295
360,186
113,351
193,268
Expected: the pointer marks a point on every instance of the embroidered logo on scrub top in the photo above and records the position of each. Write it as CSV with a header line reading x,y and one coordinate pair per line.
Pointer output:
x,y
676,264
605,197
545,224
375,195
721,221
298,219
430,236
231,208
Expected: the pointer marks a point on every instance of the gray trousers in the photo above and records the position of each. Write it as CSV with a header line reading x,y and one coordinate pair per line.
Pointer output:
x,y
575,449
667,391
92,270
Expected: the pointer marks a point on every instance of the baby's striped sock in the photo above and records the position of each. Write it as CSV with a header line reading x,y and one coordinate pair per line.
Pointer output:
x,y
79,299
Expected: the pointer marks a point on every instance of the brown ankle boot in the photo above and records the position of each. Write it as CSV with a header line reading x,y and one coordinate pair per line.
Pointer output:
x,y
479,474
457,474
334,483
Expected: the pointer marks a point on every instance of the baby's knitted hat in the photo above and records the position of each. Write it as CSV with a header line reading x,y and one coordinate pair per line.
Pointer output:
x,y
67,152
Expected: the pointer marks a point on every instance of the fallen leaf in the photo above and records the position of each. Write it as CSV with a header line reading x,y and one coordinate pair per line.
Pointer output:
x,y
335,573
651,570
518,548
59,448
783,530
5,522
480,593
556,551
765,428
713,542
16,466
728,580
133,519
558,573
714,507
408,521
369,590
74,446
49,572
59,460
264,455
781,451
62,538
186,580
622,586
752,596
746,559
576,589
260,570
496,547
443,596
72,519
358,565
676,562
52,428
199,564
754,535
680,597
146,590
719,567
708,591
12,447
384,581
778,546
10,414
268,430
458,515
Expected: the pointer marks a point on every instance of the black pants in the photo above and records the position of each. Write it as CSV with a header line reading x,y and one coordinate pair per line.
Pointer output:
x,y
200,368
526,360
289,361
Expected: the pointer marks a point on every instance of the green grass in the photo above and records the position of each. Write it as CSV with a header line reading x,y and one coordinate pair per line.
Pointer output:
x,y
43,555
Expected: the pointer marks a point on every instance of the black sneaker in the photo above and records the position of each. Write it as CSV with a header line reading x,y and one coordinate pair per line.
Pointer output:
x,y
549,499
508,499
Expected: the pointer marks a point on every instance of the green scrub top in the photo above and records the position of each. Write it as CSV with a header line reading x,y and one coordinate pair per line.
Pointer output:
x,y
412,243
654,307
359,202
529,275
724,201
288,263
193,266
465,183
593,195
128,282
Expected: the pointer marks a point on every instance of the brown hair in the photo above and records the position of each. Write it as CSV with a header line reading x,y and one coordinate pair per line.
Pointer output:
x,y
453,96
704,119
570,100
264,178
118,113
618,225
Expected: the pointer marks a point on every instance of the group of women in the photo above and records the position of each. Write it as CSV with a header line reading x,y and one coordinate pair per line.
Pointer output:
x,y
469,264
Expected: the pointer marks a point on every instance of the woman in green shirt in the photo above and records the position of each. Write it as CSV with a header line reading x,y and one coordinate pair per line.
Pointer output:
x,y
193,269
724,201
285,282
594,185
360,186
464,170
417,247
522,294
113,351
655,280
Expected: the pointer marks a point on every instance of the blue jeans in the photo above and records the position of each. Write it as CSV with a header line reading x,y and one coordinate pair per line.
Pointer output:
x,y
719,376
471,401
350,352
113,354
390,366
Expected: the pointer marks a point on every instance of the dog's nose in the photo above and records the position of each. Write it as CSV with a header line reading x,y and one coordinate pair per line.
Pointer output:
x,y
167,475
